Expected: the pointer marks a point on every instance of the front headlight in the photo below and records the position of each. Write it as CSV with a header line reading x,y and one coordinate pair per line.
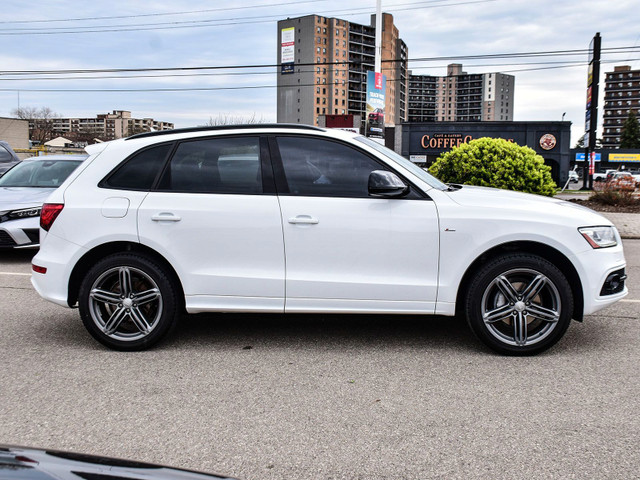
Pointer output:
x,y
599,237
25,212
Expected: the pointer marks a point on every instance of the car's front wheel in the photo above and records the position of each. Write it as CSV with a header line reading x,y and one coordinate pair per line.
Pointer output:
x,y
519,304
128,302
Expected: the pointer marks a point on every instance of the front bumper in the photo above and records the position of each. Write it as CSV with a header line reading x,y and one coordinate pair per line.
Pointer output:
x,y
20,233
595,267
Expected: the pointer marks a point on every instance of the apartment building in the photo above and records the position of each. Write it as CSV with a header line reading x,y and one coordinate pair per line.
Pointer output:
x,y
108,126
621,95
461,97
324,64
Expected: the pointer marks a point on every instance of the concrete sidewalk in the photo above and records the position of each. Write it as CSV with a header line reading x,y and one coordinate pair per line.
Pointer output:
x,y
628,224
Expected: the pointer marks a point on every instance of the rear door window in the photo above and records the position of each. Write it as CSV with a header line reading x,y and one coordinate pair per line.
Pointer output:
x,y
215,165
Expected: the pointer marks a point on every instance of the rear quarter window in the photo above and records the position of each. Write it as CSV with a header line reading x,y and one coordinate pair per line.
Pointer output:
x,y
140,170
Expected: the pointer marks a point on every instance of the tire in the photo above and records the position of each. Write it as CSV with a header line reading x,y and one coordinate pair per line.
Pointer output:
x,y
519,304
136,318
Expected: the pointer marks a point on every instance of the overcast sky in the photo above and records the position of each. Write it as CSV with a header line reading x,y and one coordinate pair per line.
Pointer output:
x,y
176,33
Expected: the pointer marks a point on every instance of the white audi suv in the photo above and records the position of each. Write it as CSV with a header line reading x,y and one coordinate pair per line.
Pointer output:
x,y
284,218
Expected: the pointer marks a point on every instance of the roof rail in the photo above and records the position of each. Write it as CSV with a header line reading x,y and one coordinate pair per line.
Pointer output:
x,y
226,127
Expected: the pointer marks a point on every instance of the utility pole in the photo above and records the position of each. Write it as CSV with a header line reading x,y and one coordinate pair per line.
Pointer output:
x,y
591,114
378,61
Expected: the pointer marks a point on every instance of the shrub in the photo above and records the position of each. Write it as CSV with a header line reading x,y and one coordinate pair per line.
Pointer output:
x,y
494,162
610,194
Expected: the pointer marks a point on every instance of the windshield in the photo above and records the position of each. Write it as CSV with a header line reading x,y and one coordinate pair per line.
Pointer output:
x,y
409,165
40,173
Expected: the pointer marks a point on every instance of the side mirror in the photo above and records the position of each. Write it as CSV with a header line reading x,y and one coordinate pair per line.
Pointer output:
x,y
386,184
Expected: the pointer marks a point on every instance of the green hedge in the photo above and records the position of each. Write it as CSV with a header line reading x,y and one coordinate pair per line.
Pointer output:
x,y
494,162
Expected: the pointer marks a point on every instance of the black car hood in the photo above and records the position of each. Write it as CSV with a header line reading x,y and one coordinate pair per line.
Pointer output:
x,y
20,463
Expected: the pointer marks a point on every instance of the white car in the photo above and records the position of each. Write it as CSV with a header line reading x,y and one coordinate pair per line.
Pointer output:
x,y
573,176
278,218
23,190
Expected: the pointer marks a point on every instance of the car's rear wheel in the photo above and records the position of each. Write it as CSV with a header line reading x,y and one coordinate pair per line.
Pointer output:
x,y
519,304
128,302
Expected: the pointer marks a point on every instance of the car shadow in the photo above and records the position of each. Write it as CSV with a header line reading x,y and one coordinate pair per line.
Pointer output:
x,y
18,256
327,332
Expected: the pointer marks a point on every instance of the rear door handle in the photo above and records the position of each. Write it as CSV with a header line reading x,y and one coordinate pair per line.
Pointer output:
x,y
304,220
165,217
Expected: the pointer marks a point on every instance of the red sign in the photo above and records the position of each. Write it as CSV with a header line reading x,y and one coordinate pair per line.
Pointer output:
x,y
378,82
592,163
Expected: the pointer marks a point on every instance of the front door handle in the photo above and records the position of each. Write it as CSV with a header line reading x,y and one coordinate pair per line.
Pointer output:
x,y
304,220
165,217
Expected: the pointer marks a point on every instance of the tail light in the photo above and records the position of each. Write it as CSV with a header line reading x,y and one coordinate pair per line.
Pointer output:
x,y
49,213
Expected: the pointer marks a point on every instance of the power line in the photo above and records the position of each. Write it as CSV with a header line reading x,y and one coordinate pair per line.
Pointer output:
x,y
243,87
537,54
213,22
189,12
274,72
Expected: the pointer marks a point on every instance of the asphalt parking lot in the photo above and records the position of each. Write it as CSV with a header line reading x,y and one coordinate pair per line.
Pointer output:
x,y
325,397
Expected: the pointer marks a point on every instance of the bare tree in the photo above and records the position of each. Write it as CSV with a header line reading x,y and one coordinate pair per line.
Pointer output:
x,y
41,122
228,119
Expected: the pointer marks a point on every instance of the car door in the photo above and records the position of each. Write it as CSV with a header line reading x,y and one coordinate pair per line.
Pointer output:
x,y
345,250
215,216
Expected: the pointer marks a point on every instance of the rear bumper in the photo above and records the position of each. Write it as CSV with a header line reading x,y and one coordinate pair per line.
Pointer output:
x,y
58,256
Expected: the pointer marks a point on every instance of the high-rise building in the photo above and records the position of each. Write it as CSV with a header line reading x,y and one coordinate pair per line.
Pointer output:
x,y
324,68
621,95
461,96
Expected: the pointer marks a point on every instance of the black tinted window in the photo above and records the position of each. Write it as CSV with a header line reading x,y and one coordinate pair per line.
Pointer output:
x,y
5,156
139,172
320,167
215,165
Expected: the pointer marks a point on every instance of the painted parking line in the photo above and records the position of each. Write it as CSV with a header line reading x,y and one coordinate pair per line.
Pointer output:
x,y
630,300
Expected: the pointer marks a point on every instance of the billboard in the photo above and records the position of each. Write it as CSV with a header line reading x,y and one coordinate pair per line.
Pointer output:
x,y
376,88
580,157
624,157
287,50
